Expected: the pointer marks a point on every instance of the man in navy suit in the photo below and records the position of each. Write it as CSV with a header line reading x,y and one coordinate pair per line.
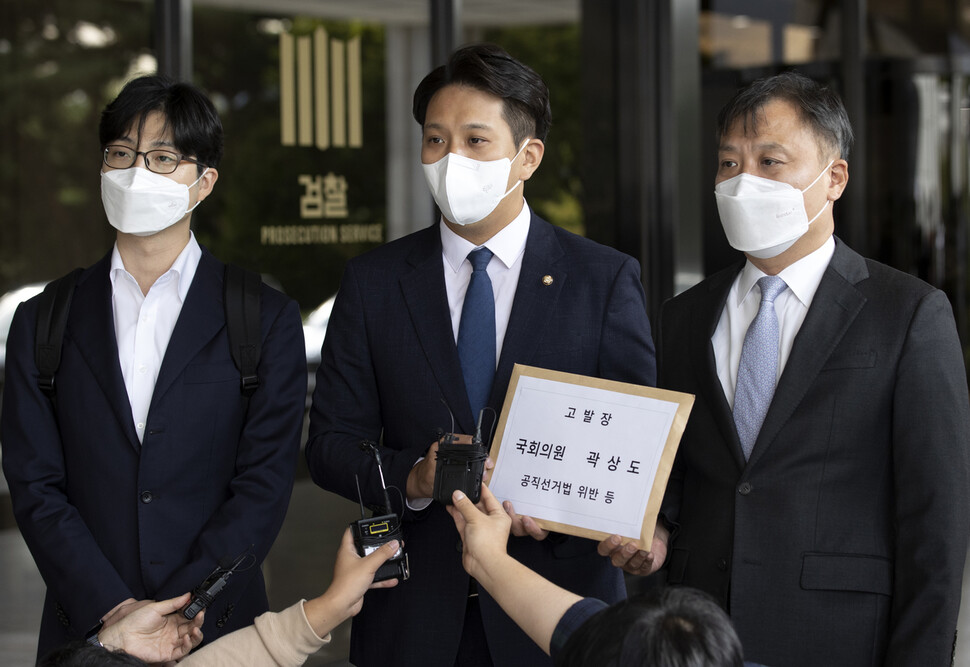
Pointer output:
x,y
832,522
397,365
150,466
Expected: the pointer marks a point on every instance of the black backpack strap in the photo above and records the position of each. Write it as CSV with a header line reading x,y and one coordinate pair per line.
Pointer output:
x,y
242,288
52,311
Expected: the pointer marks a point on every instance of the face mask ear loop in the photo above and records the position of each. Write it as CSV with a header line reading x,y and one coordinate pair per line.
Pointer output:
x,y
207,169
820,174
196,205
518,182
819,212
815,217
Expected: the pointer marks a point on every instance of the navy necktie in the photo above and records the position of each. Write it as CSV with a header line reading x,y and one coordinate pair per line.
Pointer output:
x,y
476,333
758,368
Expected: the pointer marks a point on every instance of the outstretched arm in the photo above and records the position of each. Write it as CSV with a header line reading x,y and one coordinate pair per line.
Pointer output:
x,y
532,601
634,560
352,577
288,637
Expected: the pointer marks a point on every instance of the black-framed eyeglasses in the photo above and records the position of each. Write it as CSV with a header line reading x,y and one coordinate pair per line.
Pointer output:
x,y
160,161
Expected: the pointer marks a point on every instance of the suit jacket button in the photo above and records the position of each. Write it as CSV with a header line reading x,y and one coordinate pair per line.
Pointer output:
x,y
745,488
146,497
721,564
62,615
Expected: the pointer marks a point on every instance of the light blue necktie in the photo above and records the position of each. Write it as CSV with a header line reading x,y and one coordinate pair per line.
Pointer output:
x,y
758,368
476,333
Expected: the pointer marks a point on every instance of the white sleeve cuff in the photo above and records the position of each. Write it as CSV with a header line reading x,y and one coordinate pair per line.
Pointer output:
x,y
418,504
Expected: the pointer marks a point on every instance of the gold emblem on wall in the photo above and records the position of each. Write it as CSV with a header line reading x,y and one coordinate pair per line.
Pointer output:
x,y
320,91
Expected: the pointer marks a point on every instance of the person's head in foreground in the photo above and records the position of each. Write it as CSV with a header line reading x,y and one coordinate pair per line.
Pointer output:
x,y
670,627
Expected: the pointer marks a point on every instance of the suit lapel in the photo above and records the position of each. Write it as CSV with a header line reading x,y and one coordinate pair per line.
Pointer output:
x,y
424,294
533,304
93,332
705,320
201,318
835,306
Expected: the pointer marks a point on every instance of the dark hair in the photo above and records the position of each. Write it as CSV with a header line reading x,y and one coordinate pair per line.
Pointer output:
x,y
668,627
195,125
81,654
818,106
490,69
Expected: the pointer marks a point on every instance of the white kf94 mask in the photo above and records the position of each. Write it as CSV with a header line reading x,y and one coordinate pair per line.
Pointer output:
x,y
141,202
468,190
762,217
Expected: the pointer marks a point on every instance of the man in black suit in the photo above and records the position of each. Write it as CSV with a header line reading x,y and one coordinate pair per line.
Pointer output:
x,y
151,466
396,364
832,520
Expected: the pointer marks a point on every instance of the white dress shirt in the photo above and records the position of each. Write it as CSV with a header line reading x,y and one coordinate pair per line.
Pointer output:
x,y
144,323
744,300
503,270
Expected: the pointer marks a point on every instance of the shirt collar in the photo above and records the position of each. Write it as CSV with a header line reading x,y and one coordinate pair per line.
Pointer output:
x,y
183,268
802,277
507,245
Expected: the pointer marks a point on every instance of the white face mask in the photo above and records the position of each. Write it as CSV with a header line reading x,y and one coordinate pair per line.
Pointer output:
x,y
468,190
761,217
141,202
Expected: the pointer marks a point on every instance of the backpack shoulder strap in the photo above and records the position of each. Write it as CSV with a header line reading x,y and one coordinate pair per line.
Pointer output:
x,y
52,311
242,288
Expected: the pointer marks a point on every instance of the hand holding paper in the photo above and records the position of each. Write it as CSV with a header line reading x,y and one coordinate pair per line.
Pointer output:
x,y
524,525
633,560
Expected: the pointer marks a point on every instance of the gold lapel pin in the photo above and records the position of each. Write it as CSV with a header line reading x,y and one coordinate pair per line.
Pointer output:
x,y
547,280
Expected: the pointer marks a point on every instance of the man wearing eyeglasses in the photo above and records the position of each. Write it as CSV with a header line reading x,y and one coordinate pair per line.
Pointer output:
x,y
149,465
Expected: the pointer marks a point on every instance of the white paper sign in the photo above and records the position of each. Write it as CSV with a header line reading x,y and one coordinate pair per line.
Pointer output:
x,y
580,455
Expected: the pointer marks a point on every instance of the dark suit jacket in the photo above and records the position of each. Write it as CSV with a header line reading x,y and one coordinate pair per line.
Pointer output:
x,y
842,540
390,371
106,517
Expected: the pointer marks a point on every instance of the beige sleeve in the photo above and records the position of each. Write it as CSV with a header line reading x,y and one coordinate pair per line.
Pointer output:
x,y
284,639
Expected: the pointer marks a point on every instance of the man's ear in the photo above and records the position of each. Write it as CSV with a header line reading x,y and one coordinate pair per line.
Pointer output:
x,y
530,158
838,179
207,182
